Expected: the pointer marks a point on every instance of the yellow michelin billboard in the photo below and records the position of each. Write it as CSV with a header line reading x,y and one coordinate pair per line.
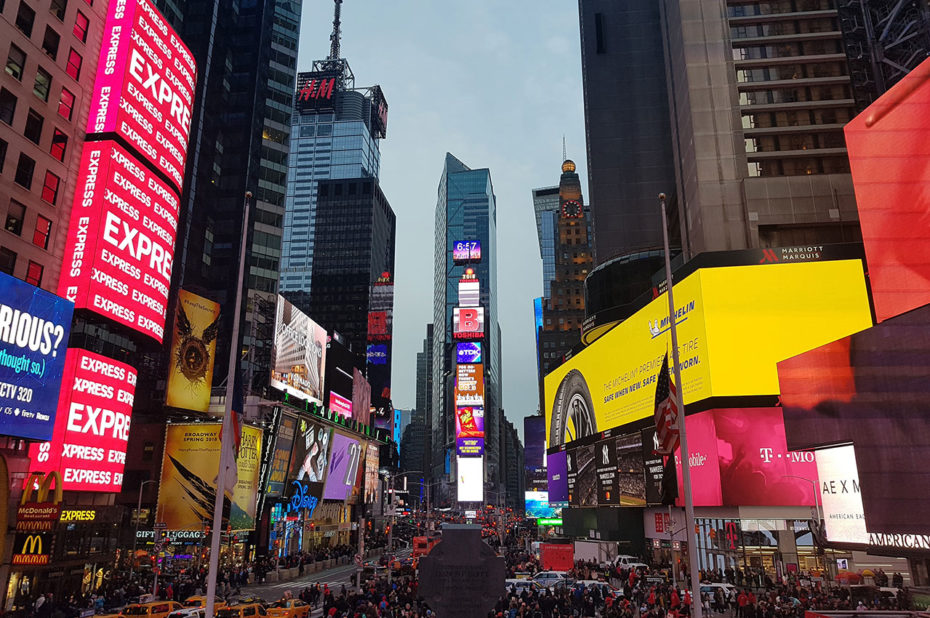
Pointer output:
x,y
193,348
188,477
734,323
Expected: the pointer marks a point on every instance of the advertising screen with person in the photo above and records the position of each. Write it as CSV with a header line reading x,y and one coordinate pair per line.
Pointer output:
x,y
299,353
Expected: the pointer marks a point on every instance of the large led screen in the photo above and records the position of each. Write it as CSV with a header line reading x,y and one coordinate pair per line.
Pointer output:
x,y
871,390
557,477
731,332
310,456
841,495
469,385
468,322
534,458
469,430
466,251
372,461
88,445
34,327
889,157
193,352
144,88
537,505
470,479
343,467
361,397
281,458
187,488
120,246
299,353
469,293
467,352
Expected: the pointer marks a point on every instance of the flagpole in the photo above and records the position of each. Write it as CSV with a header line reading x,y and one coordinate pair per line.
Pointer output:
x,y
226,431
694,571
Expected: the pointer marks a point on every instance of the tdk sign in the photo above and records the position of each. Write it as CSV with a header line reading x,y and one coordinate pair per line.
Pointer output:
x,y
468,352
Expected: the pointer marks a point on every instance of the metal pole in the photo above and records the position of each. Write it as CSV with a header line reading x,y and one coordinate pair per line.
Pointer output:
x,y
132,559
361,552
391,530
671,543
696,606
230,385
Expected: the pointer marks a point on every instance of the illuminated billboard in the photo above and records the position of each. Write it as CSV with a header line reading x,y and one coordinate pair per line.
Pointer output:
x,y
377,354
469,430
299,353
144,88
557,477
468,322
466,251
841,495
372,461
361,397
339,404
310,456
193,351
88,445
315,90
186,491
537,505
469,385
469,293
120,246
534,436
282,456
470,479
869,390
731,333
468,352
889,159
344,461
34,327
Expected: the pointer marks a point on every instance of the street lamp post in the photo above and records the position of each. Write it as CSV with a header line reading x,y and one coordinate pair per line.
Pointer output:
x,y
818,506
394,517
132,559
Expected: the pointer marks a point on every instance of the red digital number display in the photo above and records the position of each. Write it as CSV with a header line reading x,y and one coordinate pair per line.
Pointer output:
x,y
88,445
144,90
120,245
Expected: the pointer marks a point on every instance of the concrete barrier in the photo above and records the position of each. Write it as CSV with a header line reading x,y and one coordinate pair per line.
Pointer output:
x,y
271,576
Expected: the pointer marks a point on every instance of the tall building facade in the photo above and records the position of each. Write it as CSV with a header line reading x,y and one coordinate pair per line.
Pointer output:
x,y
512,464
563,311
546,209
424,394
466,209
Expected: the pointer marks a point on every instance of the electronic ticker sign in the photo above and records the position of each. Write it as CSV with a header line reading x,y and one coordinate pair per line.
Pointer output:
x,y
144,89
34,327
120,246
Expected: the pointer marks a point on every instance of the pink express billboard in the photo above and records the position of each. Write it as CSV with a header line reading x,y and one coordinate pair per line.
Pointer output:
x,y
144,91
740,457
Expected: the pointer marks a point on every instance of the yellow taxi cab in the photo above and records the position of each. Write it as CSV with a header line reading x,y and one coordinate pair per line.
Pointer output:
x,y
201,601
242,610
153,609
289,608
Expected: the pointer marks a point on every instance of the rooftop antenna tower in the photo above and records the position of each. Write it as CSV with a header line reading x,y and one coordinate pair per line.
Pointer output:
x,y
334,37
564,154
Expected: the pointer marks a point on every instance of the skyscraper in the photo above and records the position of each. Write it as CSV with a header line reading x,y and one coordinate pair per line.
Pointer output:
x,y
546,208
335,131
425,394
466,209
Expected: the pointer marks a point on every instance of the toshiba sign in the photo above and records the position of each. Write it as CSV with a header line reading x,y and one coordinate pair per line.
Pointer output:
x,y
120,245
144,90
468,322
88,445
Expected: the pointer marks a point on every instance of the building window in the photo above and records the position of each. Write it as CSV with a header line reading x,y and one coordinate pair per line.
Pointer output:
x,y
7,260
50,187
50,42
42,232
59,145
7,106
16,62
66,104
24,170
58,8
148,451
25,18
43,84
81,25
3,147
74,64
14,218
33,128
34,273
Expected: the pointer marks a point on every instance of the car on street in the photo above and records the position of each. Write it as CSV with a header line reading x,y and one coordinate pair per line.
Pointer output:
x,y
523,584
242,610
712,587
629,562
547,579
289,608
603,587
155,609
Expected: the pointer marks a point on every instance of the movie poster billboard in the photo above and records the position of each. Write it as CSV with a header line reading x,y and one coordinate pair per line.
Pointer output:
x,y
310,455
343,467
361,397
193,352
34,328
372,461
282,456
187,488
299,353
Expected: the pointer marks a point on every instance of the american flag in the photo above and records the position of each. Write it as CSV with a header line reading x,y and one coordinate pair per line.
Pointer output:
x,y
666,413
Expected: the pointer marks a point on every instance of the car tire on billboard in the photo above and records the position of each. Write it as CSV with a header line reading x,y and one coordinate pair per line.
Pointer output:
x,y
572,411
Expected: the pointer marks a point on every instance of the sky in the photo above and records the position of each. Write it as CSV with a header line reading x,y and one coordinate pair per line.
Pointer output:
x,y
495,83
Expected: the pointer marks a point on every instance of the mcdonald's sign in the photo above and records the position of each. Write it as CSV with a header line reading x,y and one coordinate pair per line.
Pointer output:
x,y
42,514
32,549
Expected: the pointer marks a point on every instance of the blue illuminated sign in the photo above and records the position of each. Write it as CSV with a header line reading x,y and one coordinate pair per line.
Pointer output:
x,y
302,498
468,352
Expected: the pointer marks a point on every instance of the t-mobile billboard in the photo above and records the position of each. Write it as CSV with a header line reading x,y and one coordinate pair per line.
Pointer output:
x,y
120,245
144,91
88,443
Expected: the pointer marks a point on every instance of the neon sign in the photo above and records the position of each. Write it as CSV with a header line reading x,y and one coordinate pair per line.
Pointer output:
x,y
301,499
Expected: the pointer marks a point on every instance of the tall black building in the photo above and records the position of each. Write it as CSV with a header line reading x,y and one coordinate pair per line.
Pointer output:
x,y
352,286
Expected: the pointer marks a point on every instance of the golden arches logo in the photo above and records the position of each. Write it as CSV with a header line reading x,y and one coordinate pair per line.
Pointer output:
x,y
42,483
32,545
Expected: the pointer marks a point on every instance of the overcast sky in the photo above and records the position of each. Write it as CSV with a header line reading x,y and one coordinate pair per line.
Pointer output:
x,y
495,83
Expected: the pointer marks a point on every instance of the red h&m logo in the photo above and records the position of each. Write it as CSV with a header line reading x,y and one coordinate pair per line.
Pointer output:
x,y
768,257
732,534
317,89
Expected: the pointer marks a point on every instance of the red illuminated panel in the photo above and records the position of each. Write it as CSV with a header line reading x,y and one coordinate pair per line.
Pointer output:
x,y
144,91
120,246
889,155
88,445
468,322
